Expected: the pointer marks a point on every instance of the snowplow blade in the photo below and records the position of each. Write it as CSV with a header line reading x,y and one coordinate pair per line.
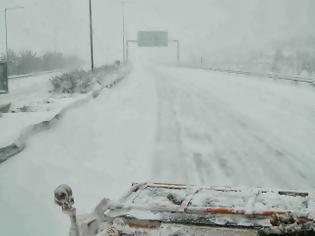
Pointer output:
x,y
171,209
258,205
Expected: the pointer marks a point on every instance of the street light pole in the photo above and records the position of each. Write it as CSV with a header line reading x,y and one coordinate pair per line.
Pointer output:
x,y
91,36
6,29
124,35
6,34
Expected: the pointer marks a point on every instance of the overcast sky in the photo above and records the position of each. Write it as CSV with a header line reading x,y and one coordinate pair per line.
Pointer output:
x,y
202,26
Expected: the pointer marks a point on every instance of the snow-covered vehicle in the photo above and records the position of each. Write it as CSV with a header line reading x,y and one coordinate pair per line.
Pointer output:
x,y
171,209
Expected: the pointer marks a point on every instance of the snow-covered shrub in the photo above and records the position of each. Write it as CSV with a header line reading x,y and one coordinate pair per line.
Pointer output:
x,y
80,81
77,81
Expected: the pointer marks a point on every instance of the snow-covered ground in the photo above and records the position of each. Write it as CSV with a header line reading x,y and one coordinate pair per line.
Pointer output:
x,y
23,91
163,124
31,102
27,89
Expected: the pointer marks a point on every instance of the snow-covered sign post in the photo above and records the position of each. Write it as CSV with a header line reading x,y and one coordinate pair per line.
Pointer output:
x,y
153,39
4,88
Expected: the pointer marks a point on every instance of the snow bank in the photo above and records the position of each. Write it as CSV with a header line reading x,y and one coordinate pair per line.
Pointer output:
x,y
36,115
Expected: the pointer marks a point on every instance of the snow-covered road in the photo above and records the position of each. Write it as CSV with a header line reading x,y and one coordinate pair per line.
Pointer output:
x,y
163,124
234,130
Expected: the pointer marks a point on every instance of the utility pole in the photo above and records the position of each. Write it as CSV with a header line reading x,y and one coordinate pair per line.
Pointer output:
x,y
91,35
6,29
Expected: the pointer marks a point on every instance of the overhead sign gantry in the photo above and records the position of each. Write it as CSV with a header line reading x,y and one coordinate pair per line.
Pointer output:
x,y
153,39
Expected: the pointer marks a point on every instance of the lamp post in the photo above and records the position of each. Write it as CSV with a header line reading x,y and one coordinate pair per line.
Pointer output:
x,y
91,35
6,28
124,29
124,33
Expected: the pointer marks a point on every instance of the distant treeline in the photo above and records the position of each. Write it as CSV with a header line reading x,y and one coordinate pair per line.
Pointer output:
x,y
28,61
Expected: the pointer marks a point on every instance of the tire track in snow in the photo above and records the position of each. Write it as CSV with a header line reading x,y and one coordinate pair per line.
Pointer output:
x,y
216,167
262,154
174,139
265,149
222,146
168,161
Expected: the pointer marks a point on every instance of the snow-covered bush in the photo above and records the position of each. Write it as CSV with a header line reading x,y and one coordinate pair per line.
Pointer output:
x,y
72,82
80,81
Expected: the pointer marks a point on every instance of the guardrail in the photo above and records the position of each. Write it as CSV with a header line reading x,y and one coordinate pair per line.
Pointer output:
x,y
295,78
33,74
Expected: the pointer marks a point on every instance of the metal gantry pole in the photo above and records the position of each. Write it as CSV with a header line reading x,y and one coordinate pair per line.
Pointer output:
x,y
127,50
91,35
178,51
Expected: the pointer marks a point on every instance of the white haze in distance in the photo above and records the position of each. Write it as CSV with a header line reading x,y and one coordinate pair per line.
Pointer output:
x,y
203,27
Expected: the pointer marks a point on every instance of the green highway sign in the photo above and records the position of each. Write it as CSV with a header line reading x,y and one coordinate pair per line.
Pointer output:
x,y
152,38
